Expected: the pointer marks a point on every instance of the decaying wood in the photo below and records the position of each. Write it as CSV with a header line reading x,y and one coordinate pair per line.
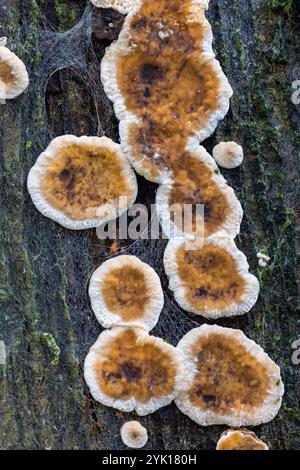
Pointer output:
x,y
46,321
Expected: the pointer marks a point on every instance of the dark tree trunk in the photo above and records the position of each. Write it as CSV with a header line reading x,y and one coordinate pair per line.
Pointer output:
x,y
46,321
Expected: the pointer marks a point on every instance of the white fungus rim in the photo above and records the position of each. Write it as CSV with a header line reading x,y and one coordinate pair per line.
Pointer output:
x,y
42,164
259,415
107,317
142,409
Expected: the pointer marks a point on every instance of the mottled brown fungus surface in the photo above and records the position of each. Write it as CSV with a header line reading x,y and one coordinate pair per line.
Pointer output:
x,y
163,81
126,293
240,440
82,178
194,185
210,277
131,369
228,377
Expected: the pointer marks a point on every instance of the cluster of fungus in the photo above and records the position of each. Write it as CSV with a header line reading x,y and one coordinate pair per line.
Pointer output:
x,y
127,368
169,93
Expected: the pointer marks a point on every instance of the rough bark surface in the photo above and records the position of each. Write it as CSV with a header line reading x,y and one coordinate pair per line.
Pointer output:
x,y
46,321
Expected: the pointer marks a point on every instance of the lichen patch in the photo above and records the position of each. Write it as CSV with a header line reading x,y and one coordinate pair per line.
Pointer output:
x,y
81,178
126,293
228,378
133,368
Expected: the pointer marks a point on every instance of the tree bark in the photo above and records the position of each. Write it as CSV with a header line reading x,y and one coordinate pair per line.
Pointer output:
x,y
46,320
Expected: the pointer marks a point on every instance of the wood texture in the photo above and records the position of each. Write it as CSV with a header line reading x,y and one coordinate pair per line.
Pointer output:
x,y
45,318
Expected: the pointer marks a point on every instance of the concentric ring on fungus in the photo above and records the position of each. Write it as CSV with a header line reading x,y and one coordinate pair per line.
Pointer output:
x,y
210,278
13,74
231,380
82,182
240,439
129,370
124,290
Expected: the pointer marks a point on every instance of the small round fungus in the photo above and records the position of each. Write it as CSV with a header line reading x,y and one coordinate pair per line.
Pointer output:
x,y
134,435
13,74
231,379
210,278
240,439
228,155
129,370
82,182
124,291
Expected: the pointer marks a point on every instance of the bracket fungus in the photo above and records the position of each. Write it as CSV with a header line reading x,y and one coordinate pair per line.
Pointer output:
x,y
198,183
240,439
123,6
134,435
13,74
82,182
228,155
231,379
126,291
129,370
210,278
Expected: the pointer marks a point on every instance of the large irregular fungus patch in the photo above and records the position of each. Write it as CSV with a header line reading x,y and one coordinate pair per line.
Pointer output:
x,y
82,182
232,380
212,278
240,439
129,370
169,93
126,291
13,74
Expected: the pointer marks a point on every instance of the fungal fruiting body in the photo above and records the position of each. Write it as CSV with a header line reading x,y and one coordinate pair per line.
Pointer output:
x,y
82,182
129,370
13,74
126,291
123,6
169,93
240,439
228,154
231,379
211,278
134,435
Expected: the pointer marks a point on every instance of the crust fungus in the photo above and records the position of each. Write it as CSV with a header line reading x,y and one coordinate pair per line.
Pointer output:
x,y
228,155
82,182
240,439
13,74
231,379
168,89
129,370
196,181
124,290
134,435
210,278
